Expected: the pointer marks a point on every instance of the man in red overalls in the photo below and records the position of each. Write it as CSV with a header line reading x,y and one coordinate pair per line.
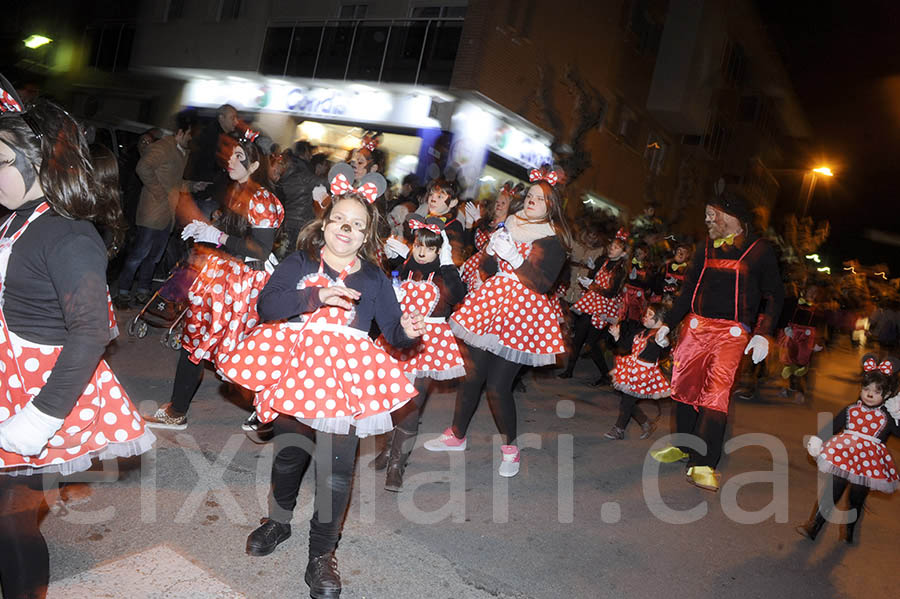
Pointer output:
x,y
730,302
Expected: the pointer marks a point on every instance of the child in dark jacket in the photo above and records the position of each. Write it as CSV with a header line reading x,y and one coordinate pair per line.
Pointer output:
x,y
637,375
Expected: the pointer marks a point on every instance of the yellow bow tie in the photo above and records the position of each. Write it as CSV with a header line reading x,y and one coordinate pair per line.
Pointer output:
x,y
727,240
803,302
637,262
677,267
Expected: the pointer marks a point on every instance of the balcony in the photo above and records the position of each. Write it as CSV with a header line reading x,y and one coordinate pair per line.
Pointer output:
x,y
414,51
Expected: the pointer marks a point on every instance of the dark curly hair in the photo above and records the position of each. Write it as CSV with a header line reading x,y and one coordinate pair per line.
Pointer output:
x,y
312,236
56,147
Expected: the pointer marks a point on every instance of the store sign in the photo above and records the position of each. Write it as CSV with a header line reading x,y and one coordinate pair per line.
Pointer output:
x,y
514,144
316,102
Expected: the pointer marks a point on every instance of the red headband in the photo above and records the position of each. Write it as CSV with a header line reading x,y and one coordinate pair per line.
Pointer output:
x,y
536,175
417,224
250,135
369,143
871,364
622,235
8,103
340,185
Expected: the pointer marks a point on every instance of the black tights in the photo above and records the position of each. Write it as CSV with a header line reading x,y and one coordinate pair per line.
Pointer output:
x,y
628,409
856,498
486,369
586,332
24,559
187,378
707,424
407,417
335,457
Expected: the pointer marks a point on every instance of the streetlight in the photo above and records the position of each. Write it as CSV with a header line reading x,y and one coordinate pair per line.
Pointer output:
x,y
36,41
809,183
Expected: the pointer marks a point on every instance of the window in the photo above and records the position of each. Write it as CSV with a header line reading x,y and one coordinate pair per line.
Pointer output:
x,y
734,63
354,11
438,11
110,46
645,31
226,10
628,126
655,152
717,138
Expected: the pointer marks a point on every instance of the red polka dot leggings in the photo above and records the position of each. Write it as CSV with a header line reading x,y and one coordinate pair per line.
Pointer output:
x,y
496,375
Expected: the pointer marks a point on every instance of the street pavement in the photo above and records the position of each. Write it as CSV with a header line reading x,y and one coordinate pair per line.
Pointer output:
x,y
585,517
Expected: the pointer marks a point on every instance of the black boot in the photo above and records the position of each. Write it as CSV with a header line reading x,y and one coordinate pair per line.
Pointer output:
x,y
567,373
323,577
810,529
267,537
850,531
380,461
401,447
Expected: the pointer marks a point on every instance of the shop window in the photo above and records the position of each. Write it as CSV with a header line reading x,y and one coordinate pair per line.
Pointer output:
x,y
226,10
275,50
353,11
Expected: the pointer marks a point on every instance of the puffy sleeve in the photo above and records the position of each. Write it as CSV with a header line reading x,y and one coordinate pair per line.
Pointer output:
x,y
265,210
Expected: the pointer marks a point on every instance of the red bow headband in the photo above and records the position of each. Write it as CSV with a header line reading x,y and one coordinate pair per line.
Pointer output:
x,y
9,103
250,135
536,175
871,364
622,235
369,143
340,185
418,224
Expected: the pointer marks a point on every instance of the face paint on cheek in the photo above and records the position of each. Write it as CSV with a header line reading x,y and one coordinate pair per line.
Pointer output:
x,y
24,166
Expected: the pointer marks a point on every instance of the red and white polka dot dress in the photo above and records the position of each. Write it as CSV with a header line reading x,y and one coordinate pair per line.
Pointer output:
x,y
603,310
223,296
103,424
322,371
637,378
482,237
437,355
857,453
470,271
508,319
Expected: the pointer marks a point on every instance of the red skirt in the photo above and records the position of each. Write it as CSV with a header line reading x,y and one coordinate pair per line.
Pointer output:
x,y
706,361
861,459
436,356
640,379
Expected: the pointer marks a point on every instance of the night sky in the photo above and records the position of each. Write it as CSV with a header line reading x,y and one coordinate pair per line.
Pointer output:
x,y
843,57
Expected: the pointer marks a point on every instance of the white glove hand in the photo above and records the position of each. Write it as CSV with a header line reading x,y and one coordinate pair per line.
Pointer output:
x,y
203,232
893,406
759,345
817,348
661,334
393,247
505,248
446,253
590,262
814,446
471,214
27,431
584,282
319,193
788,332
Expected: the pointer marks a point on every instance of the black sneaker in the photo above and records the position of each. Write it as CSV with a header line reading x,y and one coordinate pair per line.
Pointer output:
x,y
267,537
323,577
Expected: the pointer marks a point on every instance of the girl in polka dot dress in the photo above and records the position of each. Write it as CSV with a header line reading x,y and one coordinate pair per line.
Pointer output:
x,y
317,375
498,209
637,374
223,296
856,455
431,286
61,406
509,322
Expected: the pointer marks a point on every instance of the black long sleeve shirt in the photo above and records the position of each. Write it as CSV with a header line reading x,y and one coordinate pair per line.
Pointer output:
x,y
55,294
542,267
760,290
631,331
618,271
281,300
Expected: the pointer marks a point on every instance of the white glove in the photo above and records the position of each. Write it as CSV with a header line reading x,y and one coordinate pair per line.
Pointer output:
x,y
893,407
505,248
393,247
814,446
759,345
446,254
27,431
661,334
319,193
788,332
590,262
202,231
471,214
817,348
585,282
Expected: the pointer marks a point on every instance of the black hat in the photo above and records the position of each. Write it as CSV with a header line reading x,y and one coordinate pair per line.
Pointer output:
x,y
732,203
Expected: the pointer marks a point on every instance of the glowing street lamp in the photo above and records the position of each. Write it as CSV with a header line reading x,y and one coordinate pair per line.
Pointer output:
x,y
36,41
823,170
809,183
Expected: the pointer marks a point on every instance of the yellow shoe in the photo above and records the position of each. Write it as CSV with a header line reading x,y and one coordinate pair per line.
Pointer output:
x,y
668,455
704,477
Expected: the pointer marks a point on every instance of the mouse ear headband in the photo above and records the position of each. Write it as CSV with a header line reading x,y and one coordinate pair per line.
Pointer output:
x,y
415,222
870,363
371,185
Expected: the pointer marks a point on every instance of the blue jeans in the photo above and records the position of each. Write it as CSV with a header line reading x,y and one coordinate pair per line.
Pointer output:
x,y
148,248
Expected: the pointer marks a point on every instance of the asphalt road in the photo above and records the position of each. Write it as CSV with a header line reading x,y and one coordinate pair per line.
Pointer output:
x,y
586,517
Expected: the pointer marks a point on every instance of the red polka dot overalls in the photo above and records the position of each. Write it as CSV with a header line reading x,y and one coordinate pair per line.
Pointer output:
x,y
508,319
638,378
603,310
321,371
103,424
857,454
436,356
223,296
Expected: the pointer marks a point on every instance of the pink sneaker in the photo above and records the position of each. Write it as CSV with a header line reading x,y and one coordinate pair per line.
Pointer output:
x,y
509,465
446,442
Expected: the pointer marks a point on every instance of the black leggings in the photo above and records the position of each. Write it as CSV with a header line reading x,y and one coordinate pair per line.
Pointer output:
x,y
335,457
628,409
486,369
586,332
187,378
856,498
707,424
24,559
407,417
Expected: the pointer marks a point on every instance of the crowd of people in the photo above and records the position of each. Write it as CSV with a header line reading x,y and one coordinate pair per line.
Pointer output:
x,y
336,305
